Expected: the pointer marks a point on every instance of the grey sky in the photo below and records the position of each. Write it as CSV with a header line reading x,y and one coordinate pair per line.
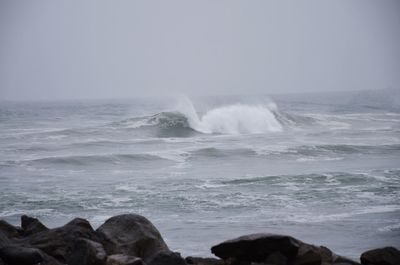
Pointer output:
x,y
99,49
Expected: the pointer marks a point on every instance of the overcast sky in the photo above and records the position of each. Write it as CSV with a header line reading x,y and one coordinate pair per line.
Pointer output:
x,y
114,49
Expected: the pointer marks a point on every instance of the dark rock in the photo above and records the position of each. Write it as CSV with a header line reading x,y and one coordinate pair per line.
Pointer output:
x,y
4,241
203,261
132,235
14,255
257,247
9,230
235,261
58,242
275,249
381,256
309,255
276,258
327,256
31,225
87,252
167,258
121,259
48,260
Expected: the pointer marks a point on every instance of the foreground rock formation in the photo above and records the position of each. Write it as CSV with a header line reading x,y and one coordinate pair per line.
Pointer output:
x,y
131,239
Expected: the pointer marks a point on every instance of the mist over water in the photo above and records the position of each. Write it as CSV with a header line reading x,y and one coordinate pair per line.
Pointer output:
x,y
321,167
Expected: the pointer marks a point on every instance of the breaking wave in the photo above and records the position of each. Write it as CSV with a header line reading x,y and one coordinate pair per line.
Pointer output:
x,y
229,119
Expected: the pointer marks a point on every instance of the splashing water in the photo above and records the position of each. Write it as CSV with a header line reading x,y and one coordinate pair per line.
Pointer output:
x,y
232,119
145,156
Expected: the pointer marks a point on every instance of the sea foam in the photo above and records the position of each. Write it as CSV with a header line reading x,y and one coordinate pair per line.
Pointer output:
x,y
231,119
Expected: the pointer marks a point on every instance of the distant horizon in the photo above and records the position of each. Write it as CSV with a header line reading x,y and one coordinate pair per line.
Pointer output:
x,y
173,95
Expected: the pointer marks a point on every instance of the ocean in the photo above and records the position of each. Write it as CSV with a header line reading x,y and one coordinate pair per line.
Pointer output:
x,y
324,168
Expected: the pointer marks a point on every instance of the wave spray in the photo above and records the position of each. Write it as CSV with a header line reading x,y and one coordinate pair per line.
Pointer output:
x,y
231,119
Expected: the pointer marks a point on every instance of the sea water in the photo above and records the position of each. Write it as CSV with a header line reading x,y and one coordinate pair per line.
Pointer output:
x,y
324,169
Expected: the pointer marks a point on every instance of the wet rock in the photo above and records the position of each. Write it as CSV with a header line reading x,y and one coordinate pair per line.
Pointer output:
x,y
131,234
257,247
14,255
166,258
203,261
31,225
121,259
87,252
58,242
381,256
9,231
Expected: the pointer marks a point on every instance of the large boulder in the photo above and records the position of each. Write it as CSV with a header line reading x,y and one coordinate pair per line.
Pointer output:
x,y
31,225
14,255
87,252
58,242
257,247
132,235
381,256
275,249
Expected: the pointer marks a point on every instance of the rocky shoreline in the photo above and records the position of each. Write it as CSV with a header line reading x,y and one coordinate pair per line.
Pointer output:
x,y
132,239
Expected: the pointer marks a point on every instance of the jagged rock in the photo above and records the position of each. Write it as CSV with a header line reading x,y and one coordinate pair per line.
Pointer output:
x,y
121,259
203,261
31,225
381,256
257,247
14,255
166,258
131,234
87,252
10,231
58,242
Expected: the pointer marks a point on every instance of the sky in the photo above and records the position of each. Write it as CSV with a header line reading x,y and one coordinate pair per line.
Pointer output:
x,y
123,49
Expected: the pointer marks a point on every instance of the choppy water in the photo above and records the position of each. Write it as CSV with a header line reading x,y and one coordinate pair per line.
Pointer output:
x,y
324,172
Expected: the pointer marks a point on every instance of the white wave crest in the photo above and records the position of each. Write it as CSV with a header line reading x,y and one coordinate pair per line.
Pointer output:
x,y
232,119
